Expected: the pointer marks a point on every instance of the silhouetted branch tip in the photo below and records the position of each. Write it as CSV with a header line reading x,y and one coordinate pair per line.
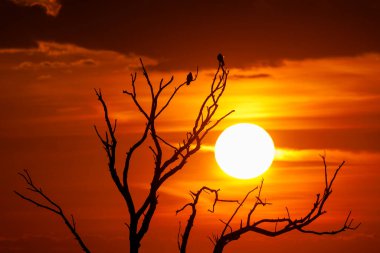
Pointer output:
x,y
52,206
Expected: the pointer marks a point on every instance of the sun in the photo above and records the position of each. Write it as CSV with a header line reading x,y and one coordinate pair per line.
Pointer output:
x,y
244,151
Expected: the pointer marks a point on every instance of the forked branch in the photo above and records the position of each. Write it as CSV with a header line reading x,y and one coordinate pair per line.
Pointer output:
x,y
202,126
49,205
286,224
183,239
165,166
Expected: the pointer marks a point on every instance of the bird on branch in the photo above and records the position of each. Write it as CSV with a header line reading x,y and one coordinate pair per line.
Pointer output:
x,y
220,58
189,78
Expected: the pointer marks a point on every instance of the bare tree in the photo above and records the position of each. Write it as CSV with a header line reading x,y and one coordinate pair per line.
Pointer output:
x,y
141,216
279,225
165,165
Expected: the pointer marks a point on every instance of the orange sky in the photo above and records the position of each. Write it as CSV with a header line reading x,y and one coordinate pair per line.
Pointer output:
x,y
310,105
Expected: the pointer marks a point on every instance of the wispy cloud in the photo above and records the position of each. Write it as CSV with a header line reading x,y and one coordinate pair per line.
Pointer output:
x,y
53,76
322,93
51,7
250,76
304,155
313,155
56,64
52,55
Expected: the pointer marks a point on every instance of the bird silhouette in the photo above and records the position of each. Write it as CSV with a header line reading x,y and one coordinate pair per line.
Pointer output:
x,y
220,58
189,78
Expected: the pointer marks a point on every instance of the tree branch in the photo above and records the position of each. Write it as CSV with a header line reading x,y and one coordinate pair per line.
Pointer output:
x,y
54,208
133,95
110,147
289,223
190,222
174,92
201,126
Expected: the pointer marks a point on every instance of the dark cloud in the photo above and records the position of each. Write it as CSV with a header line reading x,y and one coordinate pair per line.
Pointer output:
x,y
183,34
51,7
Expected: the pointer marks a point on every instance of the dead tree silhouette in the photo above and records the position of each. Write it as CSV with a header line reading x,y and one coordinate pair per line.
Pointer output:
x,y
140,217
280,225
164,168
167,165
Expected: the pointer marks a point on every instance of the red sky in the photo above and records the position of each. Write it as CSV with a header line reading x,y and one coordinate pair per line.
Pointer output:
x,y
307,71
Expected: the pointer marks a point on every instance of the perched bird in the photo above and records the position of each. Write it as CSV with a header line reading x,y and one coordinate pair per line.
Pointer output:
x,y
220,58
189,78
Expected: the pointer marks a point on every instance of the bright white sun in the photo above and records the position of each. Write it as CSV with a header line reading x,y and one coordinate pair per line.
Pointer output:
x,y
244,150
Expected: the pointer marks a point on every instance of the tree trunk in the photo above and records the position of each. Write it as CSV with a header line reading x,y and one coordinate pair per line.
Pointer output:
x,y
219,246
134,241
134,244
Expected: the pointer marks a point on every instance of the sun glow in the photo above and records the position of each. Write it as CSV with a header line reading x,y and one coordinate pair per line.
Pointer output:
x,y
244,151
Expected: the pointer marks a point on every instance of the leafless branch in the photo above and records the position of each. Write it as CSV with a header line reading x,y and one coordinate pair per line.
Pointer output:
x,y
325,167
226,224
51,206
110,147
286,224
133,95
190,222
179,237
236,211
257,203
201,126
